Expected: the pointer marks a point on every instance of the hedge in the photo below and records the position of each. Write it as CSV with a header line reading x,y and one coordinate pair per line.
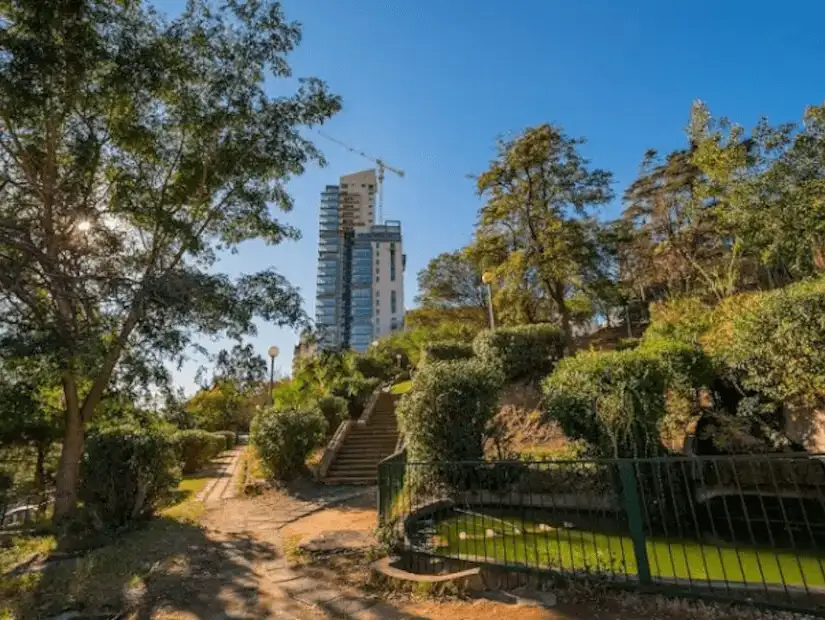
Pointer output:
x,y
612,400
444,417
284,440
230,437
446,351
523,352
774,343
125,472
195,448
617,401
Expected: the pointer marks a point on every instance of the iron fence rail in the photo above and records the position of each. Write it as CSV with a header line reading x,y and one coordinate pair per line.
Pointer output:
x,y
742,528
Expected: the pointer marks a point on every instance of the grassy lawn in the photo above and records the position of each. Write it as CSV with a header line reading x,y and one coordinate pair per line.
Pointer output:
x,y
401,388
541,545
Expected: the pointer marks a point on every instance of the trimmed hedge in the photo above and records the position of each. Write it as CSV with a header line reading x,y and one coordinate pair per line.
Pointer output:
x,y
774,343
195,448
125,472
523,352
230,437
335,410
284,440
445,415
446,351
612,400
617,401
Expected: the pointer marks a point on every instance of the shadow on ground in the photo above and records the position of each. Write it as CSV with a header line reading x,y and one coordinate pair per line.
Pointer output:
x,y
165,566
172,569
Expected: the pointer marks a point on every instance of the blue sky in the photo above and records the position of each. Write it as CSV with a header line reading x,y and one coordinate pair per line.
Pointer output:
x,y
429,84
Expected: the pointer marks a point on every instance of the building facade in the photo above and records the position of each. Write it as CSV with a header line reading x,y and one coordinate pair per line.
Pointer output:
x,y
360,294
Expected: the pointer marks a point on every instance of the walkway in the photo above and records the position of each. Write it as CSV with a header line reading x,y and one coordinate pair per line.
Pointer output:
x,y
222,486
242,525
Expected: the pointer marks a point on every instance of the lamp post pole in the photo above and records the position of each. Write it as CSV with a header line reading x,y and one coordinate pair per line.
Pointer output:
x,y
487,278
273,353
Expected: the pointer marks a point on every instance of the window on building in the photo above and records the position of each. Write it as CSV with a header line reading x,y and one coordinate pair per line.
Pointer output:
x,y
393,302
392,262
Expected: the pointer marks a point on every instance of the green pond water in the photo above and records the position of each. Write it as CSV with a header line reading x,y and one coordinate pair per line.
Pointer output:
x,y
542,545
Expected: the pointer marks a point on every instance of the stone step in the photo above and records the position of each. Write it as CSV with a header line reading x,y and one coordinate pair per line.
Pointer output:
x,y
363,480
354,457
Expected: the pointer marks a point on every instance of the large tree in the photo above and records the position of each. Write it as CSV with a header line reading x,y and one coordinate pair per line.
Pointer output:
x,y
451,280
540,192
134,149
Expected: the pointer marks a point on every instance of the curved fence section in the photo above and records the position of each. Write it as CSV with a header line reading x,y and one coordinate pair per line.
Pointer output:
x,y
746,528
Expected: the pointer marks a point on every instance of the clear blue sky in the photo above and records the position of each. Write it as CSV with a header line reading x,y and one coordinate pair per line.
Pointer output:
x,y
428,85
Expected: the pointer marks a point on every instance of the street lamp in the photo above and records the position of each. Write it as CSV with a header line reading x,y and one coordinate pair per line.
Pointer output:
x,y
398,359
487,278
273,353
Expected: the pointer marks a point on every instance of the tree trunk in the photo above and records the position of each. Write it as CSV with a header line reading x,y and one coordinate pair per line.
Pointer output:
x,y
40,466
556,290
68,471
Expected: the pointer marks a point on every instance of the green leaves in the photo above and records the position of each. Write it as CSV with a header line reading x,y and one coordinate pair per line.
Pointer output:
x,y
533,229
134,151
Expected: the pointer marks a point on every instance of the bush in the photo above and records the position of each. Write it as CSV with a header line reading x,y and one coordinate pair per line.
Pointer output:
x,y
334,409
523,352
446,351
195,448
613,400
230,437
684,319
125,472
774,343
284,439
446,413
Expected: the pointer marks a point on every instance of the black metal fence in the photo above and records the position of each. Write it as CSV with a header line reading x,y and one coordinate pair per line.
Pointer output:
x,y
746,528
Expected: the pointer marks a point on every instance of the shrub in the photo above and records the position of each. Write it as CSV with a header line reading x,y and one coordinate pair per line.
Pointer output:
x,y
284,439
523,352
627,344
125,472
612,400
195,448
446,351
774,343
334,409
230,437
684,319
445,415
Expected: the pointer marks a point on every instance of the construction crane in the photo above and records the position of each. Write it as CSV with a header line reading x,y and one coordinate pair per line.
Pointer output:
x,y
382,165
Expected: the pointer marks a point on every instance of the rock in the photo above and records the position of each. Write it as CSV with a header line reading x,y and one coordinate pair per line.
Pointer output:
x,y
536,598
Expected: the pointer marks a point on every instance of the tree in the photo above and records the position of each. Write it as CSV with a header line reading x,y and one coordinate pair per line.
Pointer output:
x,y
241,366
220,407
134,149
539,193
450,280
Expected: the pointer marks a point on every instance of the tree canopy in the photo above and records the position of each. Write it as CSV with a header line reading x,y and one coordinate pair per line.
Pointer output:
x,y
135,149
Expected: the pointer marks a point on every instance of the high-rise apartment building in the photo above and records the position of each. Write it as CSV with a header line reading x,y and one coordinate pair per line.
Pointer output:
x,y
360,267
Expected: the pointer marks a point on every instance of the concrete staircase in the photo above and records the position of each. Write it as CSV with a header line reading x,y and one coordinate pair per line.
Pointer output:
x,y
366,445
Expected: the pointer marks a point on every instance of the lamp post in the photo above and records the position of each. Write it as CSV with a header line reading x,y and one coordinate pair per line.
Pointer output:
x,y
398,359
487,278
273,353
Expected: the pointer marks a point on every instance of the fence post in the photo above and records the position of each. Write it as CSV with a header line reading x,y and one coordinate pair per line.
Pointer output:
x,y
381,491
632,505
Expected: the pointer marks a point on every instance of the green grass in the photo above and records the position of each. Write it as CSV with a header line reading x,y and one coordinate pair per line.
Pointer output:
x,y
401,388
543,546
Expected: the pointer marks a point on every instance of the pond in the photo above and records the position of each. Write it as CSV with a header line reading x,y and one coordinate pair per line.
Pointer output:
x,y
578,542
